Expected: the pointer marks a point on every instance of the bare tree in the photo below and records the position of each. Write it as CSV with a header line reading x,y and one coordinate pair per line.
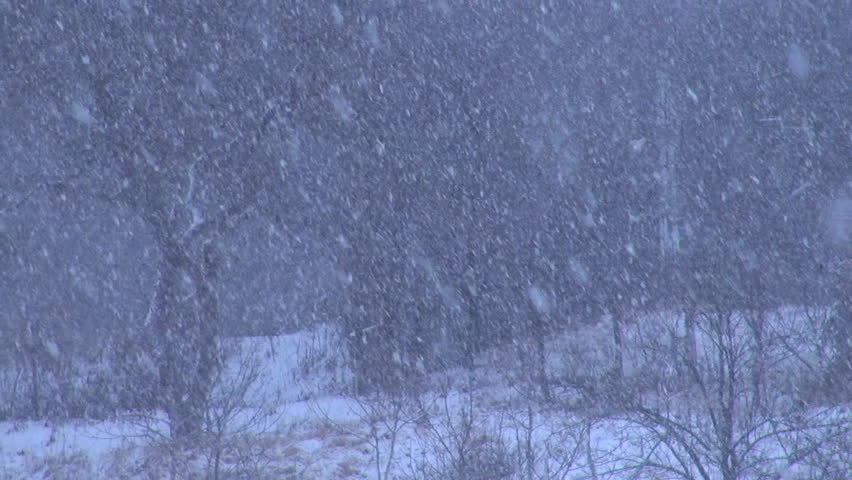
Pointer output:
x,y
461,441
150,132
385,416
240,416
547,446
732,411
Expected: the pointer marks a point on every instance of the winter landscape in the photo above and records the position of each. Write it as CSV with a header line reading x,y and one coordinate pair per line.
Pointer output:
x,y
426,240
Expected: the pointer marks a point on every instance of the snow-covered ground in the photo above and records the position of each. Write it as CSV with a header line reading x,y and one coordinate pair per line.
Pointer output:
x,y
315,431
297,422
302,442
302,435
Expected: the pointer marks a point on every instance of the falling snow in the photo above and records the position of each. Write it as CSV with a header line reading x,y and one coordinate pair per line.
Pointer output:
x,y
425,240
797,61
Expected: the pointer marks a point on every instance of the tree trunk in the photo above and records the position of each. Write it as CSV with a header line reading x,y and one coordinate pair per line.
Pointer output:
x,y
618,341
589,458
188,330
35,391
541,357
756,324
473,335
727,397
30,341
691,340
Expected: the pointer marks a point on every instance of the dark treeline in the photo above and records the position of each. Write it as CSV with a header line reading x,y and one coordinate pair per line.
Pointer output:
x,y
436,178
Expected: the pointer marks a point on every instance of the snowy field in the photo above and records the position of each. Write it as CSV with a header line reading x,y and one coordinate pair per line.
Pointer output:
x,y
303,437
295,422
